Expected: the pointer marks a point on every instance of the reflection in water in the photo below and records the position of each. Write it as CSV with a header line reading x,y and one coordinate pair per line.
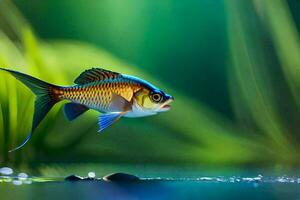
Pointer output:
x,y
17,182
90,187
24,178
155,189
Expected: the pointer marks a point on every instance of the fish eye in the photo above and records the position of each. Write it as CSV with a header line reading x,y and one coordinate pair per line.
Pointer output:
x,y
156,97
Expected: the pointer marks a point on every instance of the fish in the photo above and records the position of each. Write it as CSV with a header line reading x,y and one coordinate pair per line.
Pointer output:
x,y
114,95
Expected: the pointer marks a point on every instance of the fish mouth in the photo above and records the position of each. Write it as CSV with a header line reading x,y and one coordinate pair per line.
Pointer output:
x,y
166,106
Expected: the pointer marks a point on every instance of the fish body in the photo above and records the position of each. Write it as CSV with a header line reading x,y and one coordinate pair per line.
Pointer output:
x,y
112,94
99,95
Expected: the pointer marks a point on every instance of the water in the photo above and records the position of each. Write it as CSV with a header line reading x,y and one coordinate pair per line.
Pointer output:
x,y
23,186
151,190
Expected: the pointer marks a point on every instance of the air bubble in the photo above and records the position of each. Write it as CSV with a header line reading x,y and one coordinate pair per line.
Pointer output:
x,y
22,176
6,171
91,174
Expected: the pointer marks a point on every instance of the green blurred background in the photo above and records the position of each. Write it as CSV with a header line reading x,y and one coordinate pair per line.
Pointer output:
x,y
233,67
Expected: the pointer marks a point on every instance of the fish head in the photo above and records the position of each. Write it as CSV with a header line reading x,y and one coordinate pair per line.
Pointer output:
x,y
153,100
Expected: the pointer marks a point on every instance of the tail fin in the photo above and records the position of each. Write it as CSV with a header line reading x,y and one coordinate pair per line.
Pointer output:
x,y
45,99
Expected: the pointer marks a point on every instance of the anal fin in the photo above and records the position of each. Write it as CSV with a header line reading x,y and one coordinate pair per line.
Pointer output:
x,y
106,120
74,110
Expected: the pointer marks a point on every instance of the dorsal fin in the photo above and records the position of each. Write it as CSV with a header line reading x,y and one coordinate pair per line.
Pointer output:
x,y
95,74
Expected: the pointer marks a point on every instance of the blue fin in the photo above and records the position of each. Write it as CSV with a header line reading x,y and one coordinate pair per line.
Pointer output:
x,y
74,110
106,120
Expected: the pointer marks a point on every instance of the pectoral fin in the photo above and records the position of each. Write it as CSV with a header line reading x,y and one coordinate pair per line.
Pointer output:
x,y
74,110
106,120
119,104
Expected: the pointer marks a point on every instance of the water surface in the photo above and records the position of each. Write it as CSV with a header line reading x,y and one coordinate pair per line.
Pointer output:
x,y
158,184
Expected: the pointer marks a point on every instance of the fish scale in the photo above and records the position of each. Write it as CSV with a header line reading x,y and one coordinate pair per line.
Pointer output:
x,y
98,95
